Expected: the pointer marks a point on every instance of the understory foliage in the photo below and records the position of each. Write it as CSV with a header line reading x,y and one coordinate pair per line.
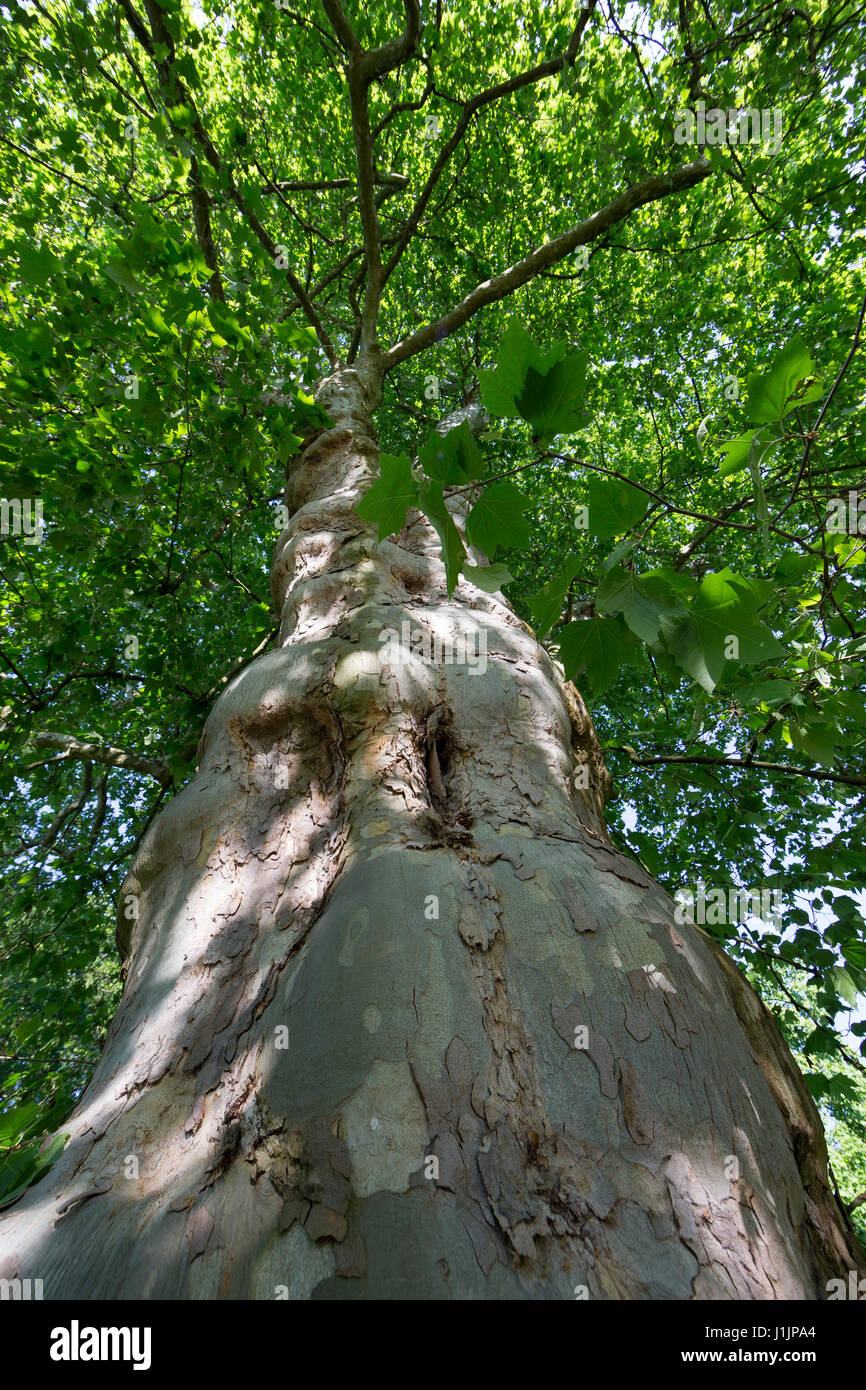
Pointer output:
x,y
669,480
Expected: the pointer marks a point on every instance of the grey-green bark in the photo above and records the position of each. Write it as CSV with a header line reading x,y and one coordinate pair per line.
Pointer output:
x,y
368,936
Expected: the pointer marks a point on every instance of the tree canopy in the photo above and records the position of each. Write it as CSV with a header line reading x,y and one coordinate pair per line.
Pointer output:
x,y
663,320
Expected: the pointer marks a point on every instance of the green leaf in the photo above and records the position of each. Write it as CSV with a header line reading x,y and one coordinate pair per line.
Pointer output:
x,y
490,578
118,271
180,167
701,641
621,550
597,645
770,393
699,710
546,605
386,503
642,603
38,264
517,353
552,401
764,693
15,1123
816,740
822,1043
432,503
614,506
792,567
181,115
20,1168
453,457
839,979
736,453
498,519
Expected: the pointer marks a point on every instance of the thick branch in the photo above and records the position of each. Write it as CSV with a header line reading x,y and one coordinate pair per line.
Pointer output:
x,y
204,232
649,190
105,754
376,62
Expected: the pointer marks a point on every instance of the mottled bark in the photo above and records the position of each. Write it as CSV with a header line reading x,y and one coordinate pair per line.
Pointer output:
x,y
401,871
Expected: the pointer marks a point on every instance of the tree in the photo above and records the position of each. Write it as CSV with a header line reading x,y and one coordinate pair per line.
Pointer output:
x,y
400,1013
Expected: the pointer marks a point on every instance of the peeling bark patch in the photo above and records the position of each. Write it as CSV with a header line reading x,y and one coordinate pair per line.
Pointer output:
x,y
636,1109
385,1130
460,1067
612,862
566,1021
310,1170
486,1249
519,1211
637,1020
350,1259
194,1120
582,920
235,941
199,1229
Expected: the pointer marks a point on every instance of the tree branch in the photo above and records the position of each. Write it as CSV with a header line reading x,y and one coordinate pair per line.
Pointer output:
x,y
109,756
364,67
849,779
470,109
324,185
173,92
210,152
649,190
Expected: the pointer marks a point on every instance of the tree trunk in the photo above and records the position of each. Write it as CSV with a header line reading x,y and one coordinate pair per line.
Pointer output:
x,y
399,1021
